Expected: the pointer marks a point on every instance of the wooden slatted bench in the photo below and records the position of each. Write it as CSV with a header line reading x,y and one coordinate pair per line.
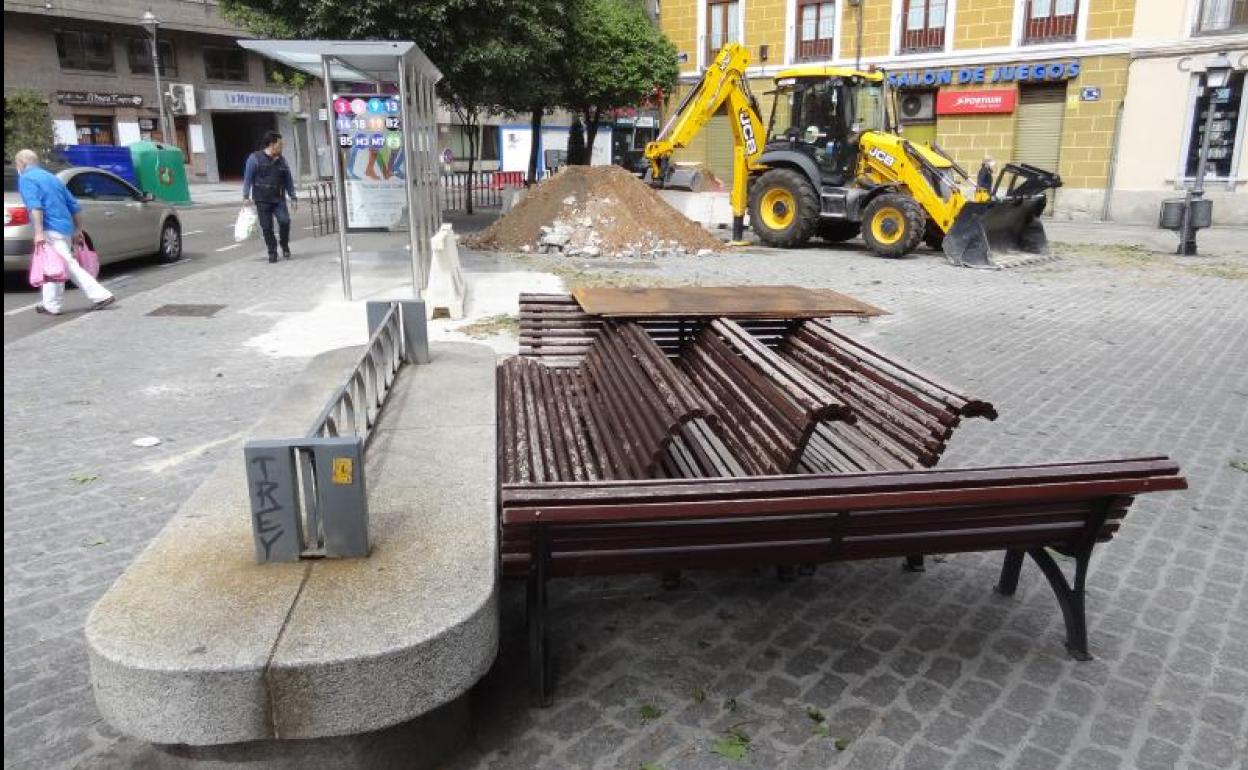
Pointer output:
x,y
651,526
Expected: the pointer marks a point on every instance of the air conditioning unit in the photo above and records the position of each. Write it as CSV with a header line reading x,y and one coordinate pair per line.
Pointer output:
x,y
181,98
917,106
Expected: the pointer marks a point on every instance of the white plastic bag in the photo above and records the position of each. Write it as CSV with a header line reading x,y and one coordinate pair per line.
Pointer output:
x,y
245,225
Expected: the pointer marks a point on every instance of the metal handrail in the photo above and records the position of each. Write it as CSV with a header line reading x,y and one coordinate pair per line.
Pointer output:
x,y
356,404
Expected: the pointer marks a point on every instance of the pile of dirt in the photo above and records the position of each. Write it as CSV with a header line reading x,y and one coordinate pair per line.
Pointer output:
x,y
592,211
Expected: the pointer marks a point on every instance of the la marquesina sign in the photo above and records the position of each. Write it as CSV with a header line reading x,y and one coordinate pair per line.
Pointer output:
x,y
975,102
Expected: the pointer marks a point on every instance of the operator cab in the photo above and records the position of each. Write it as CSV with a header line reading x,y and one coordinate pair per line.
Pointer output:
x,y
822,111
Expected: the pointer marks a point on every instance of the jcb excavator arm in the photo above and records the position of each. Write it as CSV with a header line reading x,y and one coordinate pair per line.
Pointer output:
x,y
724,83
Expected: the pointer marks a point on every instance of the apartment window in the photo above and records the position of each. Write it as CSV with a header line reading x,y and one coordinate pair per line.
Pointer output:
x,y
816,29
1222,16
1050,21
923,26
489,142
139,51
721,26
80,50
225,64
1228,102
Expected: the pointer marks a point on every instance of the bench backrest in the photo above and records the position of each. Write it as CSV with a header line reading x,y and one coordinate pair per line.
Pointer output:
x,y
768,407
611,417
905,417
642,526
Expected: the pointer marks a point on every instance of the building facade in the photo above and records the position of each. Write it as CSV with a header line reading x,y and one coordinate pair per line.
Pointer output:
x,y
92,61
1067,85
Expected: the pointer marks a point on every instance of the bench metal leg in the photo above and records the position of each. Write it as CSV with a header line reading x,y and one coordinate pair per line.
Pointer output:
x,y
1009,572
914,564
1069,598
539,673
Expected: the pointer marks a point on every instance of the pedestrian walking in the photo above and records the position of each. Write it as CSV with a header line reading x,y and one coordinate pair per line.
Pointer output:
x,y
57,220
983,181
267,182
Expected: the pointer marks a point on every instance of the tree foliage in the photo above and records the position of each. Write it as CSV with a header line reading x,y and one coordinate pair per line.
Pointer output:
x,y
619,60
27,124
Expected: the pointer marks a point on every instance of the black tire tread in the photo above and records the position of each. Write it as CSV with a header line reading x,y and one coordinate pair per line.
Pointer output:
x,y
911,211
807,204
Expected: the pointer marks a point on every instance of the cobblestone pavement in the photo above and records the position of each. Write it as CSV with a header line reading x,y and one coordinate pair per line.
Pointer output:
x,y
1084,358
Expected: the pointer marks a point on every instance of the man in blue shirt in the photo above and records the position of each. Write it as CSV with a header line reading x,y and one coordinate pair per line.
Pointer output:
x,y
266,183
56,217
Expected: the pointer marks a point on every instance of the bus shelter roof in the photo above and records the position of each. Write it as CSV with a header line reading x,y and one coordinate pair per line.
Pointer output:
x,y
374,60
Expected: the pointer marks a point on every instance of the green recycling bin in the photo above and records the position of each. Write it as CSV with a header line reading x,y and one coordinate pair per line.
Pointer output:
x,y
160,171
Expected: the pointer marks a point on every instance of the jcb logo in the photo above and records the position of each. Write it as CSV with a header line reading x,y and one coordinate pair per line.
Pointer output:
x,y
747,132
883,157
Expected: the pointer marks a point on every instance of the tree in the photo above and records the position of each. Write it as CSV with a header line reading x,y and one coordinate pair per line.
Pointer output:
x,y
620,60
479,45
27,124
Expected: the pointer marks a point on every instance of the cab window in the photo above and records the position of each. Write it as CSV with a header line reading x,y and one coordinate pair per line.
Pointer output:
x,y
99,187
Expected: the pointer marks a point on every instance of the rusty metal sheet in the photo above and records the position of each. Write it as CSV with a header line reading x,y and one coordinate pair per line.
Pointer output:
x,y
720,302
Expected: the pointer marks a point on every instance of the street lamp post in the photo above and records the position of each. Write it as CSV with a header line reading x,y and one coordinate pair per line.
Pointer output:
x,y
1217,74
152,24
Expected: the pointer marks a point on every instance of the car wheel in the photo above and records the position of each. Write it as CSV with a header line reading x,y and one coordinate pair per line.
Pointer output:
x,y
170,241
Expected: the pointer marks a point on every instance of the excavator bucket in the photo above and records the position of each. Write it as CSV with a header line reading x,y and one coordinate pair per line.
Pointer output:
x,y
684,178
1009,223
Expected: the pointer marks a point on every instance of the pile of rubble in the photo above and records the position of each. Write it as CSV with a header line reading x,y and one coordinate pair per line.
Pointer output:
x,y
595,211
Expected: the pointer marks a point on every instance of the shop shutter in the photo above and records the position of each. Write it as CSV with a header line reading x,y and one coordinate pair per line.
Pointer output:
x,y
1038,134
719,146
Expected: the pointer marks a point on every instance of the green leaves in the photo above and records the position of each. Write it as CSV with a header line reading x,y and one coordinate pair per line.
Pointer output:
x,y
27,123
735,745
649,711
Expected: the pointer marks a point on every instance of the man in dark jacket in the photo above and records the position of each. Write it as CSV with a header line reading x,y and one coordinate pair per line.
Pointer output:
x,y
983,180
266,183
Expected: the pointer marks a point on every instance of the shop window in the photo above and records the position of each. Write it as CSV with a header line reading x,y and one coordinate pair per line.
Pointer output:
x,y
225,64
923,26
489,142
81,50
1050,21
1224,136
1218,16
816,29
139,51
722,26
94,129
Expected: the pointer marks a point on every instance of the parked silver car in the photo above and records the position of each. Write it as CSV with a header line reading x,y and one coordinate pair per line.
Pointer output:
x,y
120,221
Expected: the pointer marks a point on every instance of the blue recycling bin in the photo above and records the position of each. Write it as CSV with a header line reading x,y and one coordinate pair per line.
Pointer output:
x,y
106,156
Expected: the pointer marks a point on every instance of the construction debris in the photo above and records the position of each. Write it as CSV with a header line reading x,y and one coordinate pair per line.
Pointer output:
x,y
591,211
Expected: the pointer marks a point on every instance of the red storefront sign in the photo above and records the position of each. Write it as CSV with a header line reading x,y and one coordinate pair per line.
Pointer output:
x,y
963,102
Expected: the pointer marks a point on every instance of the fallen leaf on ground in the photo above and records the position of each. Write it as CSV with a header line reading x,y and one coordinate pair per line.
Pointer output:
x,y
734,745
83,478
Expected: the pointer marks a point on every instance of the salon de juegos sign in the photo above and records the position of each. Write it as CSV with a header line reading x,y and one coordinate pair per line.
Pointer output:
x,y
1039,72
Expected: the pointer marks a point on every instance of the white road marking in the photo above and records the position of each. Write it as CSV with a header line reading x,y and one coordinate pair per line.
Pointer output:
x,y
192,232
231,246
118,279
182,261
22,309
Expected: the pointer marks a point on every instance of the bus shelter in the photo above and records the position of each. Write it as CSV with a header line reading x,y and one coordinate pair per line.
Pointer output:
x,y
384,129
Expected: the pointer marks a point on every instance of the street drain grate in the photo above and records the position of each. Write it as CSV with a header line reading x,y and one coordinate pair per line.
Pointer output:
x,y
188,311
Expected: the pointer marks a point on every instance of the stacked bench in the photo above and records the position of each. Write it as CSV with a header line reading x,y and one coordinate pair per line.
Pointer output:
x,y
665,445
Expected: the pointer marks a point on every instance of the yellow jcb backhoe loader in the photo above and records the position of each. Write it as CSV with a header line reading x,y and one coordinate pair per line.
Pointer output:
x,y
830,163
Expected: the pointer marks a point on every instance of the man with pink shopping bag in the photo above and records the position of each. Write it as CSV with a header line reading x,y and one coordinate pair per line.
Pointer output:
x,y
58,224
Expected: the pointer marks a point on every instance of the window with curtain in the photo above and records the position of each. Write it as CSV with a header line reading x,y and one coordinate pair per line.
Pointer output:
x,y
1218,16
83,50
923,25
1224,139
722,25
816,29
1049,21
139,52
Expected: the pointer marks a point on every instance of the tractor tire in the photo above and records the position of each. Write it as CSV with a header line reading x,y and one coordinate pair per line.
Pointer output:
x,y
893,224
784,208
933,237
838,230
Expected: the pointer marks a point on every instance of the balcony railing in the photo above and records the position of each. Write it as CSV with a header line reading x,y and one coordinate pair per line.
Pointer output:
x,y
921,40
814,50
1050,21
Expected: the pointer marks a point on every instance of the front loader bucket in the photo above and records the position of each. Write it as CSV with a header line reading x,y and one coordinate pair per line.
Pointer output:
x,y
995,227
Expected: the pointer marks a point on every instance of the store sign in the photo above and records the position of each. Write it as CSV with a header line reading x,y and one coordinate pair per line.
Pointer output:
x,y
98,99
999,73
370,140
975,102
246,101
